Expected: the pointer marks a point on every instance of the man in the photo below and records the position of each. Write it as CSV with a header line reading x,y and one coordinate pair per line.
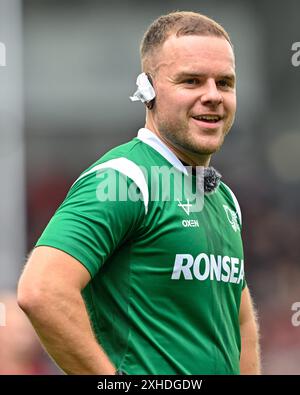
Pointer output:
x,y
148,285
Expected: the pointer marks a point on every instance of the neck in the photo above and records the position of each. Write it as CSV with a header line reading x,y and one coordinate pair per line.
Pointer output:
x,y
189,158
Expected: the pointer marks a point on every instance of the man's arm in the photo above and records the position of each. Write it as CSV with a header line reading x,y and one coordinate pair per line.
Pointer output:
x,y
49,293
250,354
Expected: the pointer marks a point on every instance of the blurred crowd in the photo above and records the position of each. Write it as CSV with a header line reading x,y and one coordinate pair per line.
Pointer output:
x,y
21,352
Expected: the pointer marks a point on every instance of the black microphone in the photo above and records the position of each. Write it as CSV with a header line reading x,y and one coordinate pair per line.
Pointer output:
x,y
211,179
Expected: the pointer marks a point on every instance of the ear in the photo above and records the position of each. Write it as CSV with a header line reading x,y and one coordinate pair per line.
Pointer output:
x,y
145,92
150,103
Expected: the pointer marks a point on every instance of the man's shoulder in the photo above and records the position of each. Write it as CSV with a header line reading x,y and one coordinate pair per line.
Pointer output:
x,y
128,150
227,191
132,159
135,151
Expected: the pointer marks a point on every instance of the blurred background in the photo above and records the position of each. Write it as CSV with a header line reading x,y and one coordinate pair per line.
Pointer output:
x,y
71,66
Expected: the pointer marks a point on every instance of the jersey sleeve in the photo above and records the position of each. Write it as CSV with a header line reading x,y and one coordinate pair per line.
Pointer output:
x,y
90,228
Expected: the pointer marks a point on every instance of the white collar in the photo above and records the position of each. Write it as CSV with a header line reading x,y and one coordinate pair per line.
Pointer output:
x,y
148,137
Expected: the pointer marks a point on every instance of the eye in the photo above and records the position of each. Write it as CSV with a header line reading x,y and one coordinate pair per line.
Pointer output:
x,y
191,81
225,83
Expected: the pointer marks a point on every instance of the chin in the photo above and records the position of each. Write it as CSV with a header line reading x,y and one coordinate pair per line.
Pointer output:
x,y
207,151
208,148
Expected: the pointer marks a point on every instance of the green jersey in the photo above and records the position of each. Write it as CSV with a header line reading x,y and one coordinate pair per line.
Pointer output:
x,y
166,277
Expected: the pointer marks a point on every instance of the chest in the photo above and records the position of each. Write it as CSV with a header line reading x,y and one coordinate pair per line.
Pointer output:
x,y
181,226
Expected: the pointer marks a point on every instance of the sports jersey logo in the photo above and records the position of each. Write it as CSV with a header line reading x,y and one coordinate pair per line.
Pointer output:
x,y
186,207
232,218
219,268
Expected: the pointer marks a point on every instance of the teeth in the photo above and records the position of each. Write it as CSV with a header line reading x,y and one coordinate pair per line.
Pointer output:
x,y
208,117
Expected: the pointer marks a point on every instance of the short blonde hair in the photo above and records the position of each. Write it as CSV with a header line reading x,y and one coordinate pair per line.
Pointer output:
x,y
179,23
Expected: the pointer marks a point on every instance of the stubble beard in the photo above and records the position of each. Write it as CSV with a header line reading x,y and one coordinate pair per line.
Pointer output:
x,y
177,133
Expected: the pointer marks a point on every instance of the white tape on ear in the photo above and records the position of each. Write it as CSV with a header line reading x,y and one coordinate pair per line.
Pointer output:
x,y
145,91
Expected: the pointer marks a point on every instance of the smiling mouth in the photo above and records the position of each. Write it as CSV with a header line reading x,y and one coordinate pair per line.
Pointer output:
x,y
208,118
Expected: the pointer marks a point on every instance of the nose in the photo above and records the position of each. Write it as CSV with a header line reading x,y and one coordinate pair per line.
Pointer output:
x,y
211,95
